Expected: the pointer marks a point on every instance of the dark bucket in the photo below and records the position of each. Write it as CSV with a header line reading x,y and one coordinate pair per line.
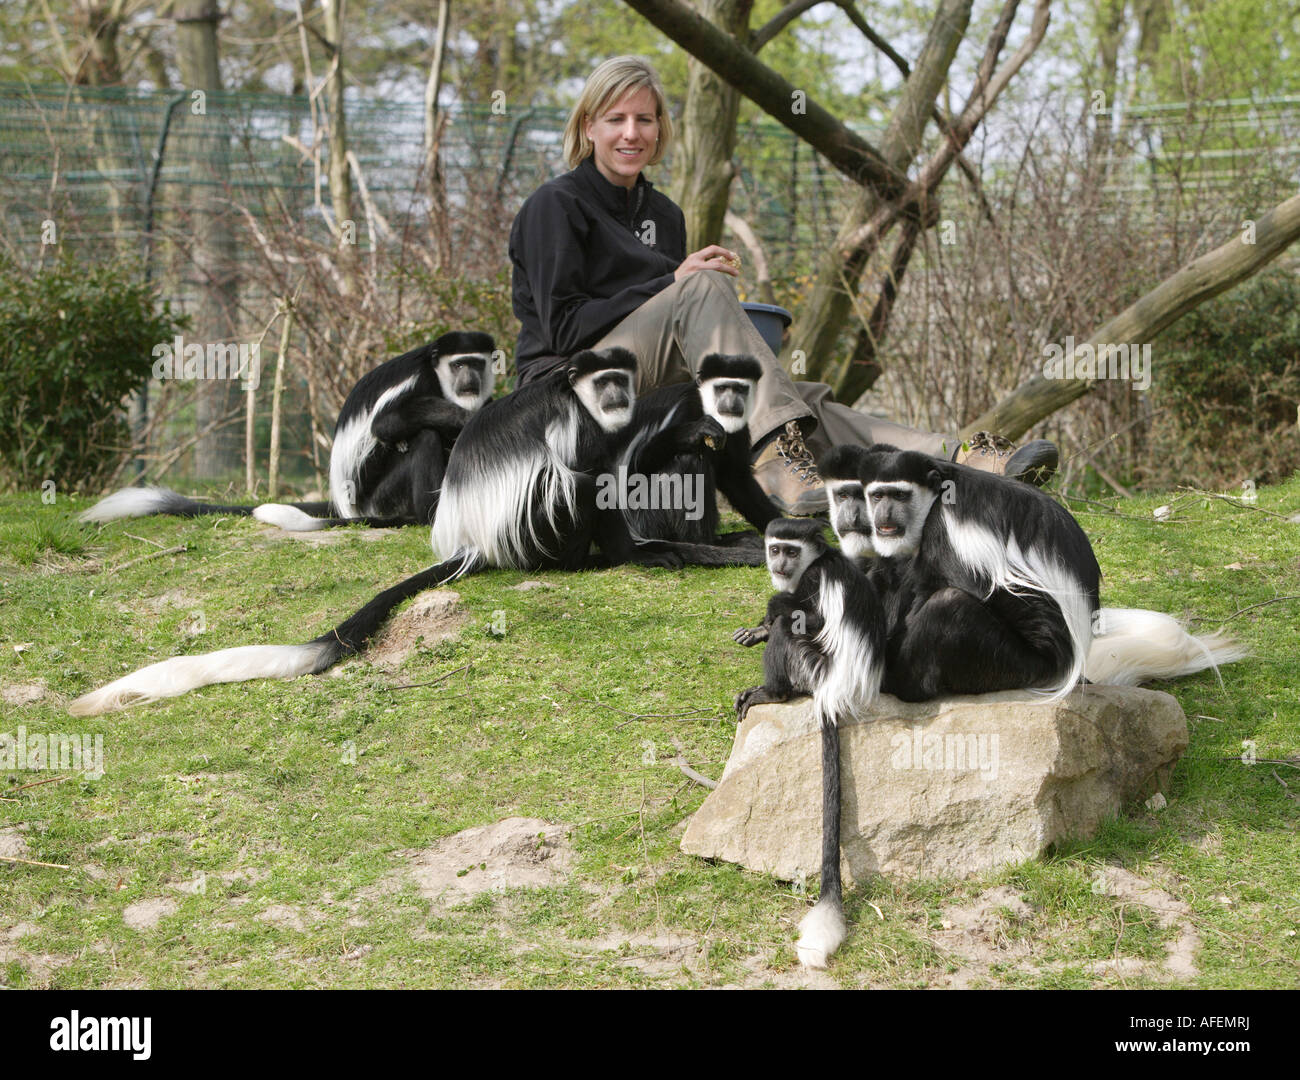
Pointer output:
x,y
770,321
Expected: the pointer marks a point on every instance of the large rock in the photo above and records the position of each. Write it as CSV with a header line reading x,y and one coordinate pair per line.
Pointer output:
x,y
950,787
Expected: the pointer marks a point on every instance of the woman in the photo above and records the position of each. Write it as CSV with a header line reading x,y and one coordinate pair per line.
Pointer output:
x,y
599,259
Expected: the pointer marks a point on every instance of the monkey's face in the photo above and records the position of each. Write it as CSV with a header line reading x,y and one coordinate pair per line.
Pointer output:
x,y
608,396
728,401
465,379
786,562
850,517
898,511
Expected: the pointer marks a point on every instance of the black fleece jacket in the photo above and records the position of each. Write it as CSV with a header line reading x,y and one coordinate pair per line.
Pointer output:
x,y
585,254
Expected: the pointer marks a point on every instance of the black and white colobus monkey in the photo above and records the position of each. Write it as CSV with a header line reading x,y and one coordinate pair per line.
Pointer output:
x,y
390,445
840,470
696,434
825,637
994,586
519,492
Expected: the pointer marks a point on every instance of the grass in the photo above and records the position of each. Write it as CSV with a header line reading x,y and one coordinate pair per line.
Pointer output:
x,y
310,794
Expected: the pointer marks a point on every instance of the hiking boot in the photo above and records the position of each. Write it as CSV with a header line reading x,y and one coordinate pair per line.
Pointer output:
x,y
1034,463
786,471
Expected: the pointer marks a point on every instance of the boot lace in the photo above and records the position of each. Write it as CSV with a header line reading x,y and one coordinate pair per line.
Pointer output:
x,y
792,450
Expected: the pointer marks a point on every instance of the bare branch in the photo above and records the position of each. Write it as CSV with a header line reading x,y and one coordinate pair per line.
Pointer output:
x,y
841,146
780,21
1198,281
855,16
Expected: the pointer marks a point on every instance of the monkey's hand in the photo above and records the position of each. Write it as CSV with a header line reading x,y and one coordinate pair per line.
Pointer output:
x,y
750,637
708,434
742,701
755,695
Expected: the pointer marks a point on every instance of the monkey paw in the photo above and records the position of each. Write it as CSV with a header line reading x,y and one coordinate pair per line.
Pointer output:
x,y
709,433
750,637
742,702
753,696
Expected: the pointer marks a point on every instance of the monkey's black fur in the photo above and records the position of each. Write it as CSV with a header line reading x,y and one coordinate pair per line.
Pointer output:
x,y
390,449
825,635
677,436
999,590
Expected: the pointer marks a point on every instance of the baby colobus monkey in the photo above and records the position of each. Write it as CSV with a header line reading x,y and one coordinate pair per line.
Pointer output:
x,y
825,637
519,492
390,448
692,439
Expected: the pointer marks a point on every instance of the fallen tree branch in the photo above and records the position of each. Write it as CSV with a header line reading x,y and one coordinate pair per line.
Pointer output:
x,y
33,862
680,762
1201,279
177,550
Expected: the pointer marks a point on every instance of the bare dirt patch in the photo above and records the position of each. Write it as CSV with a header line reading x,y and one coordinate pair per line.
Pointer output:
x,y
40,966
12,844
653,954
434,616
144,914
998,928
980,934
284,916
507,854
173,598
22,693
1180,954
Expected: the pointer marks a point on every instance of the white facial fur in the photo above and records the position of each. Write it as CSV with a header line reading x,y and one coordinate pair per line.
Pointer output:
x,y
850,517
912,518
447,380
610,420
709,398
857,546
784,582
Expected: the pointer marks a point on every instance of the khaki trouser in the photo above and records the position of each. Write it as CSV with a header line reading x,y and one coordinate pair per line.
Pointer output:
x,y
674,330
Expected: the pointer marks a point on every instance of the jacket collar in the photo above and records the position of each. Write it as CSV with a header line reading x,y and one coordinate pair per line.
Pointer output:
x,y
620,201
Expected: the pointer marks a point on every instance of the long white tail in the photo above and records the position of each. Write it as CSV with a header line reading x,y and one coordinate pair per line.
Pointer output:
x,y
1132,646
821,932
136,502
181,674
289,518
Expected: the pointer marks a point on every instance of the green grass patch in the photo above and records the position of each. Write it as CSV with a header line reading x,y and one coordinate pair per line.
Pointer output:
x,y
274,819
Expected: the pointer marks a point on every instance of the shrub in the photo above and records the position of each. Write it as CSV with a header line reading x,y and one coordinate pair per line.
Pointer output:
x,y
1227,376
75,339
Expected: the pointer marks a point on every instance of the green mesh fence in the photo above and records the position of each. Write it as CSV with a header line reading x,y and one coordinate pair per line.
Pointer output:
x,y
101,166
84,158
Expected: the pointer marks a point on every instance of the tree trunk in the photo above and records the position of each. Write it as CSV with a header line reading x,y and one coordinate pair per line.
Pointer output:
x,y
821,319
1198,281
706,139
216,453
438,221
340,179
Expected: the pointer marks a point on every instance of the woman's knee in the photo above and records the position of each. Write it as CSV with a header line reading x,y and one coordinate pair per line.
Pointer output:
x,y
708,280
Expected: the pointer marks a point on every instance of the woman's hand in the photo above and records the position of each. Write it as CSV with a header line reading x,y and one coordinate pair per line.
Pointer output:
x,y
712,257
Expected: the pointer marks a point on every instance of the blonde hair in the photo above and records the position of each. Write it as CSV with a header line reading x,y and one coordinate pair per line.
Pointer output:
x,y
608,84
